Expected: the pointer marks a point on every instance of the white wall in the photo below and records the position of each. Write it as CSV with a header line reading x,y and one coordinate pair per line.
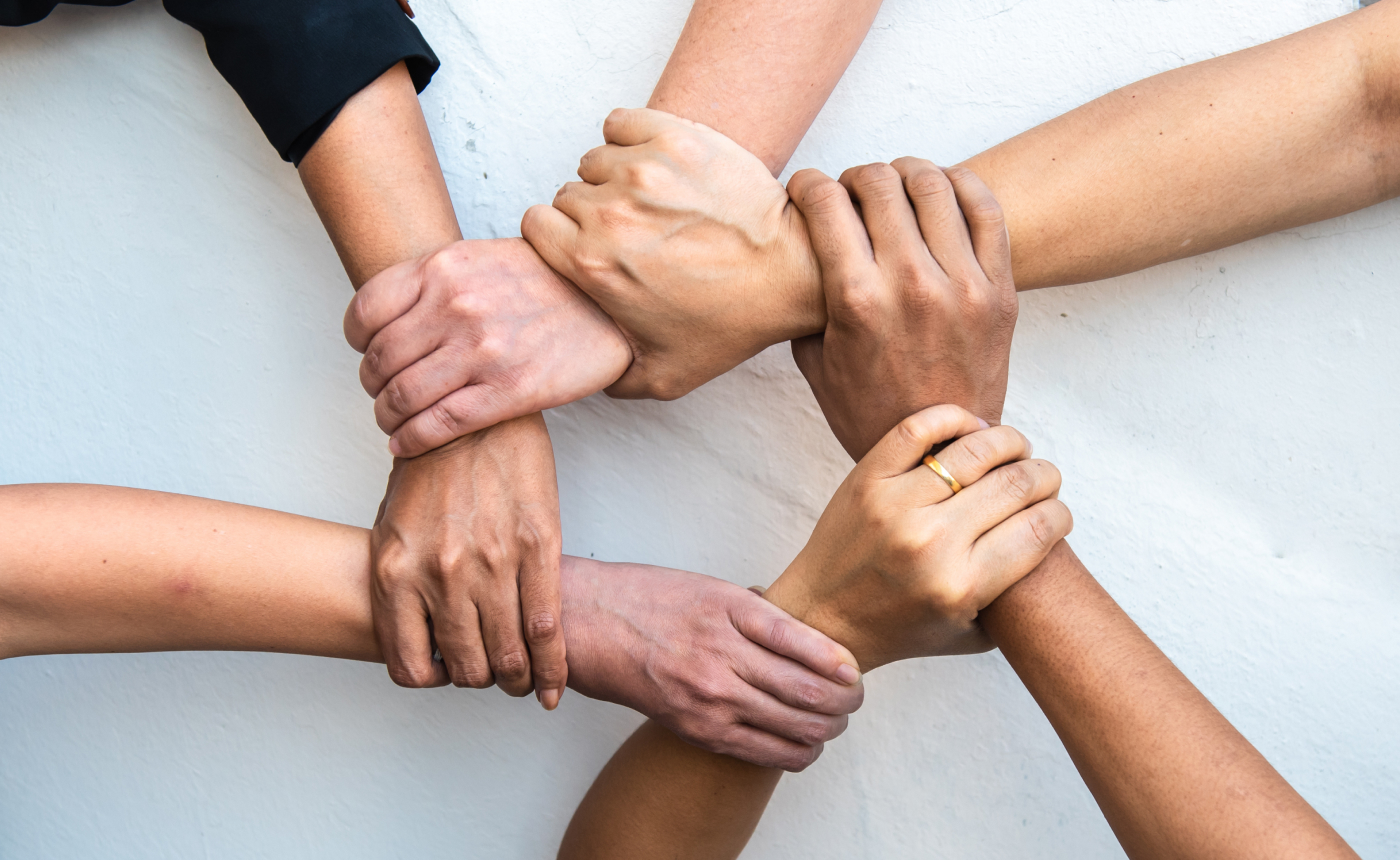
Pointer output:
x,y
169,318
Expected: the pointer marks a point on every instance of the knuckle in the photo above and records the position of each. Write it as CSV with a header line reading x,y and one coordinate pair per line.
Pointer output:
x,y
982,451
412,674
929,184
1017,482
442,418
397,398
1042,530
472,675
824,195
541,627
808,694
510,664
878,177
803,758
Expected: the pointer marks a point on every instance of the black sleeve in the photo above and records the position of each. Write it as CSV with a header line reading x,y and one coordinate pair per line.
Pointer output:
x,y
296,62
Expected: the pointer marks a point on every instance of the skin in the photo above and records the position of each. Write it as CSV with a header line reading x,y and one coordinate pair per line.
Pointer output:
x,y
1287,133
478,350
90,569
868,569
1172,776
458,335
466,543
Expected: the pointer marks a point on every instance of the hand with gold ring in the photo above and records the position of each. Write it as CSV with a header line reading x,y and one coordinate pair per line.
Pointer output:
x,y
900,565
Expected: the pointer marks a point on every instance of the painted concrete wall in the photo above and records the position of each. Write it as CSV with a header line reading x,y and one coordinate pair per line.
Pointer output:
x,y
169,318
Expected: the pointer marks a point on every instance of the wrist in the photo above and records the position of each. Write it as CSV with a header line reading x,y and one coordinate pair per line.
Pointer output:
x,y
790,592
797,281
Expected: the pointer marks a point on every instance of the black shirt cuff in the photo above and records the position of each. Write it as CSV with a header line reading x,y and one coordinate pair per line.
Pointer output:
x,y
296,62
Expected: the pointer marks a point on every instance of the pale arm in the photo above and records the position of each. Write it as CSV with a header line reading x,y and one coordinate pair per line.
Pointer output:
x,y
759,72
108,569
1293,131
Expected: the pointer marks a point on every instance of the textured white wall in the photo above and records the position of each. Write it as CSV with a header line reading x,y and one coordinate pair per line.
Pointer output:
x,y
169,318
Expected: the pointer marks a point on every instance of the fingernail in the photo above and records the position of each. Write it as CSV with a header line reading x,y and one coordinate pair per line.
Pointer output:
x,y
983,424
847,674
550,699
395,448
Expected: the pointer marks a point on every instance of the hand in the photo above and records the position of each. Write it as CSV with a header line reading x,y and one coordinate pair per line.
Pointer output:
x,y
919,313
476,333
465,558
898,566
719,666
686,240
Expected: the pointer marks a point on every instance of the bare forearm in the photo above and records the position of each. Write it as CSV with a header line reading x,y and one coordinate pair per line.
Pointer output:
x,y
760,72
375,181
108,569
1172,776
1287,133
661,797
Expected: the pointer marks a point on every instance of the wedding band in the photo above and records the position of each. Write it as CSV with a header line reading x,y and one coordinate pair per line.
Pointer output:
x,y
941,472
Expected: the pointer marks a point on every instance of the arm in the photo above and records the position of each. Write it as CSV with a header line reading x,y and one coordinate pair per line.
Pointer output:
x,y
904,285
107,569
1293,131
1289,132
481,332
759,72
1172,776
482,587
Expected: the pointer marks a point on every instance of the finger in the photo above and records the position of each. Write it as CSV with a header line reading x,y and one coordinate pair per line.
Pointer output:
x,y
796,686
383,299
1016,546
762,748
420,385
554,236
540,614
401,626
1002,493
464,411
940,220
967,459
601,164
888,216
635,126
504,634
838,239
457,628
412,337
807,728
986,224
769,627
905,446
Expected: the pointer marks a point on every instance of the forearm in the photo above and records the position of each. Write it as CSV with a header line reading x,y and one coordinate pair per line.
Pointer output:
x,y
375,181
1172,776
1294,131
760,72
661,797
107,569
658,796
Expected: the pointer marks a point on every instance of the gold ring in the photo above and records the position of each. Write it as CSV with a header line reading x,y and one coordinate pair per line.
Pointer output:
x,y
941,472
